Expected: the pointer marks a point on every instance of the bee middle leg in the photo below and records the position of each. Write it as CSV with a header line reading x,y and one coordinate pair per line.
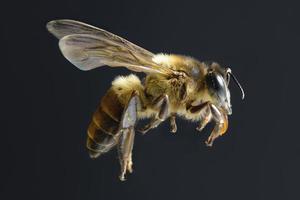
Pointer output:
x,y
162,104
173,123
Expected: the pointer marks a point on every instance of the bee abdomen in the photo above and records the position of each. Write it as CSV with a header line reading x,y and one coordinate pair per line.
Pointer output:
x,y
104,127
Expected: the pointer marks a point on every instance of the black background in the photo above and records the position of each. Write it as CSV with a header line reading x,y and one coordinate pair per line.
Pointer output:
x,y
47,103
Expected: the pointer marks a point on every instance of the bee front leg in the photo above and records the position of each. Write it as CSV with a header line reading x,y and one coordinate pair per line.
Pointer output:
x,y
206,118
221,125
127,134
162,104
204,110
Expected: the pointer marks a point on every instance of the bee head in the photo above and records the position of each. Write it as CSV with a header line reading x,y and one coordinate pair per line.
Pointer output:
x,y
217,82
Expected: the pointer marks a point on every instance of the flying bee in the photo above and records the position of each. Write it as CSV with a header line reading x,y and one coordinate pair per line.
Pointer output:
x,y
174,85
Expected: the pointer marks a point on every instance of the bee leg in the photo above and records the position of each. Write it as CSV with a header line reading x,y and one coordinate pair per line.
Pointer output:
x,y
125,151
129,116
127,134
130,163
202,109
220,126
162,103
173,123
206,118
198,109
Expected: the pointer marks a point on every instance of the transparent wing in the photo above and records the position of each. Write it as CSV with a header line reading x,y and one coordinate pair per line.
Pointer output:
x,y
89,47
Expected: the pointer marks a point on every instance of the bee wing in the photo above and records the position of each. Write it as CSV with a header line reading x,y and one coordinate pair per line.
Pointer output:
x,y
89,47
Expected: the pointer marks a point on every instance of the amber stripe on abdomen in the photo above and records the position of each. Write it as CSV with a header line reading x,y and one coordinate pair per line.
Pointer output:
x,y
103,129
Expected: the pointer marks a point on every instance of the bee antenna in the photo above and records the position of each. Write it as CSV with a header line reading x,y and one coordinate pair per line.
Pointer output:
x,y
228,71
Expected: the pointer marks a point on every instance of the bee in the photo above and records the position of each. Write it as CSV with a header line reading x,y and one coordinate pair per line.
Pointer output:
x,y
175,85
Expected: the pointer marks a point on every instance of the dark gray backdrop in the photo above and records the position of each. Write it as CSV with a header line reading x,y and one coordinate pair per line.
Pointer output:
x,y
47,103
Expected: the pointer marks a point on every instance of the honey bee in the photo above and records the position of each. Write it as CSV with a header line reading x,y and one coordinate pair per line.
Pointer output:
x,y
175,85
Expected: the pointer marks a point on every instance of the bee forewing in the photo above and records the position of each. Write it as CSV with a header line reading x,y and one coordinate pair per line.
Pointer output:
x,y
88,47
64,27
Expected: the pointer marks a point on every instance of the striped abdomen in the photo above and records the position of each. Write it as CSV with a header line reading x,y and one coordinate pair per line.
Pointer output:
x,y
103,131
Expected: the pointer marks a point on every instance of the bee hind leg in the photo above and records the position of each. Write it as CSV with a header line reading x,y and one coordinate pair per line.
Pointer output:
x,y
162,104
125,151
127,134
221,125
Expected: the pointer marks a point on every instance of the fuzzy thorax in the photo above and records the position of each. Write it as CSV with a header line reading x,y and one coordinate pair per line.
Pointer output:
x,y
123,86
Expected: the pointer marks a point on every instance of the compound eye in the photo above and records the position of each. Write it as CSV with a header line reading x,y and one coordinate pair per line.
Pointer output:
x,y
220,83
216,84
215,81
